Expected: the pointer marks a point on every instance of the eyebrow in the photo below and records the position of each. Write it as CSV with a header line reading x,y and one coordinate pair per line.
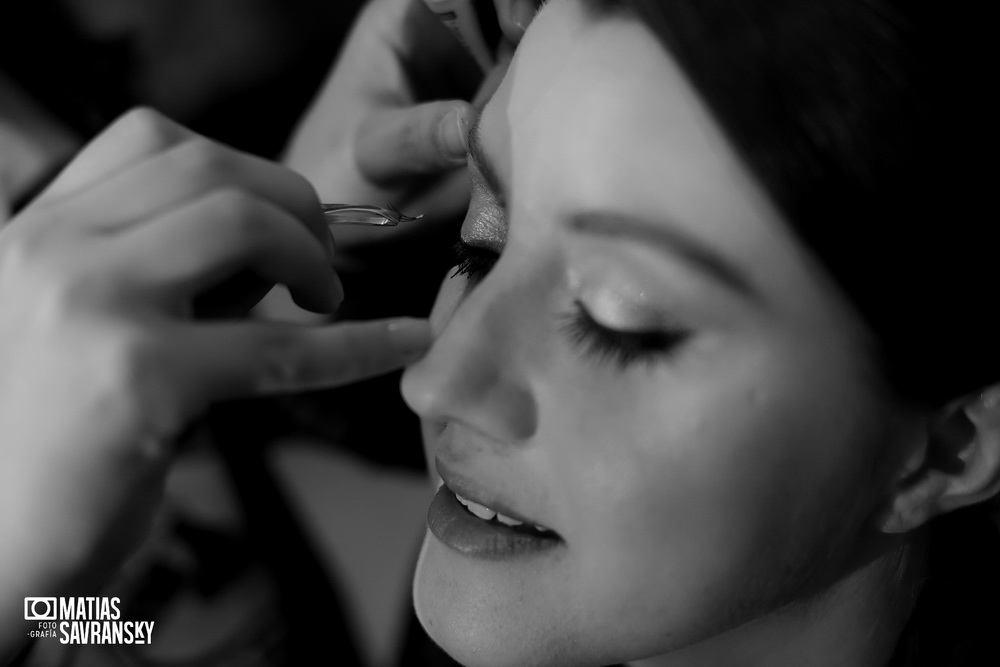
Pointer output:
x,y
480,159
616,224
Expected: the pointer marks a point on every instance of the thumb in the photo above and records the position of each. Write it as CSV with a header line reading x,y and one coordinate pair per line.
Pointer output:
x,y
398,143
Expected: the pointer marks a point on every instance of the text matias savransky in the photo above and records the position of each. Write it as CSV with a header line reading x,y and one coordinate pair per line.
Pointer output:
x,y
85,620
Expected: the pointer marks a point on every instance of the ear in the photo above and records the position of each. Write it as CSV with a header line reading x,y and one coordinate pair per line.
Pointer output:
x,y
955,464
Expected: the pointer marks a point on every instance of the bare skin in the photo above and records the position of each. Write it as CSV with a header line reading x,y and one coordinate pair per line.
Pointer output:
x,y
641,357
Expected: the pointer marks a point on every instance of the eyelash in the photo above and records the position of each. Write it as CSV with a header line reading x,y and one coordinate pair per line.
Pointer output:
x,y
603,343
622,347
474,262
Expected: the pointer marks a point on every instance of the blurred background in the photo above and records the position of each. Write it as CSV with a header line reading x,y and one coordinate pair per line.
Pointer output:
x,y
238,70
290,526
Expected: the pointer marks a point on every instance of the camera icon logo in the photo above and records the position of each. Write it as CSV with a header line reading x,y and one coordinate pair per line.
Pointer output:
x,y
40,609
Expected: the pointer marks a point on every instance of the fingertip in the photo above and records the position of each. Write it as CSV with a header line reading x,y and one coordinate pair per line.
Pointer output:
x,y
409,337
515,16
453,133
522,12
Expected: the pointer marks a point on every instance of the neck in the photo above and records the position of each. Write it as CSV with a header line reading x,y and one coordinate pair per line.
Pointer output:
x,y
855,621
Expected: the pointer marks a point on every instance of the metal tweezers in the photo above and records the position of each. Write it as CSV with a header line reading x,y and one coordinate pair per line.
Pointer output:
x,y
362,214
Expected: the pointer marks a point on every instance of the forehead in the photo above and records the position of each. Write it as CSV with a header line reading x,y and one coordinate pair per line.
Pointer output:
x,y
594,113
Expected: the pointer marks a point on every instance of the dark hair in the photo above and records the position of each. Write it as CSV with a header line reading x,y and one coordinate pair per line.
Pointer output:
x,y
859,120
864,121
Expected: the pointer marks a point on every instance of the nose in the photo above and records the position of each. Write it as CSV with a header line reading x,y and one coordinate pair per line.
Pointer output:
x,y
474,373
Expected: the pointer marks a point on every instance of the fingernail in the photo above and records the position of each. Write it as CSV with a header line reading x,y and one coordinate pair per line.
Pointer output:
x,y
521,13
455,134
410,338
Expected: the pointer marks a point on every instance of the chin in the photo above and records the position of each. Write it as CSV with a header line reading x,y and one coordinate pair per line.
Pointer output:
x,y
473,626
483,618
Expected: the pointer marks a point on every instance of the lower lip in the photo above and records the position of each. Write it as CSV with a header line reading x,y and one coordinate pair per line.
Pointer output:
x,y
455,526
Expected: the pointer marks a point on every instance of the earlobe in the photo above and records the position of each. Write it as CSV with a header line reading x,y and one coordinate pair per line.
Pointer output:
x,y
956,464
984,414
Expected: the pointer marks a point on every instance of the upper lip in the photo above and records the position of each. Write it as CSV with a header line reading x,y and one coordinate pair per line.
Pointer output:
x,y
463,486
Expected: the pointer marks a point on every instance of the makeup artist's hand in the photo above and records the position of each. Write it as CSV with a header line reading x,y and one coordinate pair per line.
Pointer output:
x,y
102,360
514,17
390,123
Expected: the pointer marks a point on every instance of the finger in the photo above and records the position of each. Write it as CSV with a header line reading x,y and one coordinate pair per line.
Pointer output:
x,y
188,171
399,143
239,360
434,59
494,77
514,17
226,232
132,138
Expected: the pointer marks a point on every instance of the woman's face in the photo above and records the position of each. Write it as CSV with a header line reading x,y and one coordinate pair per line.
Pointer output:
x,y
654,371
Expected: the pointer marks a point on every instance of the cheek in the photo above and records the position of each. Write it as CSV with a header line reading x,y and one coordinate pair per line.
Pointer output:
x,y
693,482
676,490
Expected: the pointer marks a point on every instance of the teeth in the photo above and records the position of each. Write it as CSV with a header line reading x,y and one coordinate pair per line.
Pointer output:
x,y
507,521
485,513
482,511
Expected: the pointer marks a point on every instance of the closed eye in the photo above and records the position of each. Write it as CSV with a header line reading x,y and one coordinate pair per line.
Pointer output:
x,y
473,261
623,347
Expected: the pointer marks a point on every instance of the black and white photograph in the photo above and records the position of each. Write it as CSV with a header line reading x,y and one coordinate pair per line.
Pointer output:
x,y
499,333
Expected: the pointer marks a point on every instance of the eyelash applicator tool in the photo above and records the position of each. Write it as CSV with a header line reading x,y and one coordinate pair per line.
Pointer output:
x,y
363,214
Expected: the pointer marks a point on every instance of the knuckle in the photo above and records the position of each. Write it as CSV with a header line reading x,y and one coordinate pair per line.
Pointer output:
x,y
147,126
131,383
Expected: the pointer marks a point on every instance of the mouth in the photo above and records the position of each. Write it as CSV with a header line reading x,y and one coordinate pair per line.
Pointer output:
x,y
474,528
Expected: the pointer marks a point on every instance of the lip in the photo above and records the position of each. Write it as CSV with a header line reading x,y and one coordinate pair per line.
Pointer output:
x,y
451,523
